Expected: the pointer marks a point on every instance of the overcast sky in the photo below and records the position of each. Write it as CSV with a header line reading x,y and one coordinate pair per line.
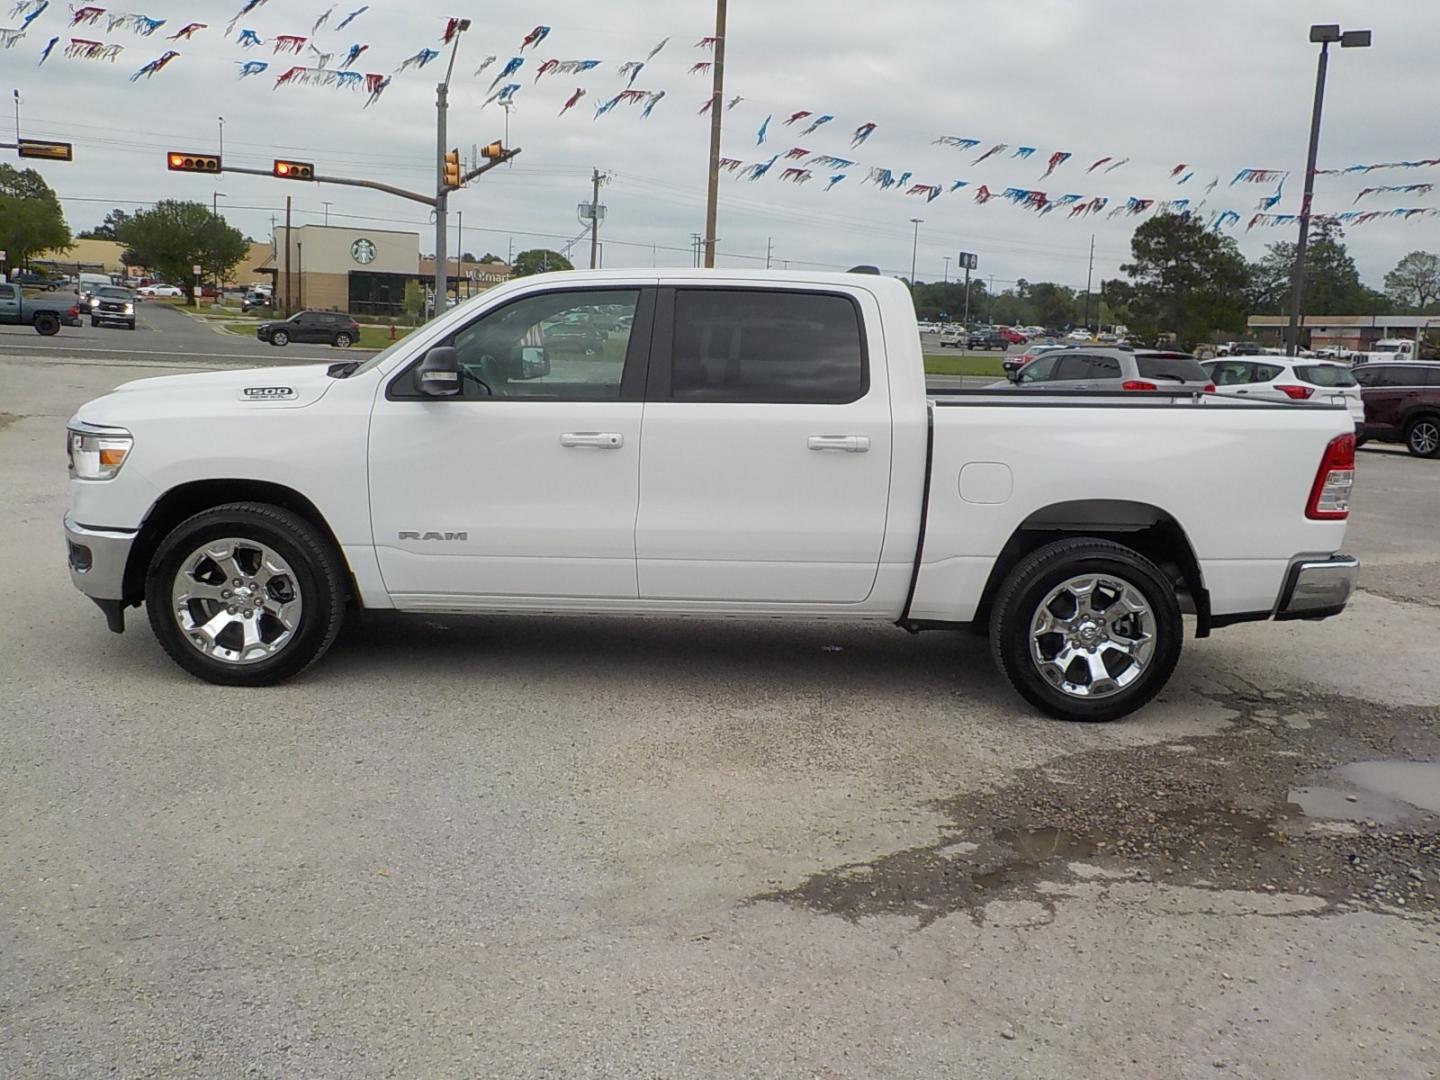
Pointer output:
x,y
1218,85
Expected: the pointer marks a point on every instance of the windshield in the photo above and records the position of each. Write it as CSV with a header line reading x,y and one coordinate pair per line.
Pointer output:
x,y
1326,375
1385,348
113,293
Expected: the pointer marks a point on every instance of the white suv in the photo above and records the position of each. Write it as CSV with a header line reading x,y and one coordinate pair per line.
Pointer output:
x,y
1281,378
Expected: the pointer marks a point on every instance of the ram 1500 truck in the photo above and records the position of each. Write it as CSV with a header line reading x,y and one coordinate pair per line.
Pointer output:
x,y
45,315
738,445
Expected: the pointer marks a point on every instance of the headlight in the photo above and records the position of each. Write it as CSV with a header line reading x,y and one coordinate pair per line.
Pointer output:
x,y
94,301
129,309
98,453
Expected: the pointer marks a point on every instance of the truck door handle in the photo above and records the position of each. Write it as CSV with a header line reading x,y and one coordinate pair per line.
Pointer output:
x,y
594,440
850,444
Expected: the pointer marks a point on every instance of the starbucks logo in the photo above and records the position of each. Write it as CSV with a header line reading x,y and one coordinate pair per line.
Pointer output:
x,y
363,251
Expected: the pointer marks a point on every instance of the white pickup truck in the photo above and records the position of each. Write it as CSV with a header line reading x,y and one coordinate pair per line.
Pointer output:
x,y
725,444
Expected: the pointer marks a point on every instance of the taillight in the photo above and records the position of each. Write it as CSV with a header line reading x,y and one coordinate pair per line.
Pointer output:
x,y
1209,388
1330,494
1137,384
1298,393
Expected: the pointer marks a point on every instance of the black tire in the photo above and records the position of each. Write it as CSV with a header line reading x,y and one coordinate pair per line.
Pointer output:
x,y
94,322
47,324
342,341
279,337
1422,436
130,325
319,579
1018,600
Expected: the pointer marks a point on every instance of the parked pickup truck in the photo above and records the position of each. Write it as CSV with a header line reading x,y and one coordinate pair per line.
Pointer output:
x,y
746,444
46,316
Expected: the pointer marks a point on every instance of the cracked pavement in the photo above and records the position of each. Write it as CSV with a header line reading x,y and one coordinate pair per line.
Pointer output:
x,y
594,848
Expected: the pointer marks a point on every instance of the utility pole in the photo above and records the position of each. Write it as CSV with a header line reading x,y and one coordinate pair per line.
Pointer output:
x,y
947,269
442,191
327,213
991,293
288,311
717,113
459,243
769,251
595,179
914,253
1089,280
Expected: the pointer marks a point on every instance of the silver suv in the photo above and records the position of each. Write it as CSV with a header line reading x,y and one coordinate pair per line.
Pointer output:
x,y
1113,369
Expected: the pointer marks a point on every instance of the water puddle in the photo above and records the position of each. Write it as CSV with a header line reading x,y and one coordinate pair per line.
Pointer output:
x,y
1034,846
1383,791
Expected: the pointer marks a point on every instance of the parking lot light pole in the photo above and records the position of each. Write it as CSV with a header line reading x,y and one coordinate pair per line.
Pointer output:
x,y
1323,34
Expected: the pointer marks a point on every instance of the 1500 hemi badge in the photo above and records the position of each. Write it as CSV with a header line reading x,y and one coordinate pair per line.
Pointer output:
x,y
268,393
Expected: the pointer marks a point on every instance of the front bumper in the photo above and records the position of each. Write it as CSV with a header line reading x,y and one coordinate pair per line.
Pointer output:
x,y
1318,588
97,560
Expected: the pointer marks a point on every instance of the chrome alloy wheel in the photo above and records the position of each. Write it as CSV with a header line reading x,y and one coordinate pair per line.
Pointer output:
x,y
1425,437
236,601
1092,636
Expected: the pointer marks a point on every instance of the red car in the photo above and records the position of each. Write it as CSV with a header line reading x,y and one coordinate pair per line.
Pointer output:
x,y
1013,336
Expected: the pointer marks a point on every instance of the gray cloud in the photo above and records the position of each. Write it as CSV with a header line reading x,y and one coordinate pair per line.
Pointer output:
x,y
1219,85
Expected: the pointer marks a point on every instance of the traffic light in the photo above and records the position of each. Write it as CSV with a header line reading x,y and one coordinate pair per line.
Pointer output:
x,y
176,161
493,151
54,151
452,169
294,170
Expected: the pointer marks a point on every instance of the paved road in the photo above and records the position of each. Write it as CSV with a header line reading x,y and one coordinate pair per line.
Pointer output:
x,y
163,333
623,848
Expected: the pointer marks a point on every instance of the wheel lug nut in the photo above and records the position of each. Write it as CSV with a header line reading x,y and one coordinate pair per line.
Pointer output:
x,y
231,610
224,592
238,583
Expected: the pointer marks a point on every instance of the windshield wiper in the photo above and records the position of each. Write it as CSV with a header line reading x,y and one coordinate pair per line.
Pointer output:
x,y
343,370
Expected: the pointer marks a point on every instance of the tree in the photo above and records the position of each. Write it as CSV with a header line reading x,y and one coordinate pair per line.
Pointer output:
x,y
467,258
1415,281
1053,305
175,236
1185,280
414,301
1332,283
489,258
109,229
31,220
539,261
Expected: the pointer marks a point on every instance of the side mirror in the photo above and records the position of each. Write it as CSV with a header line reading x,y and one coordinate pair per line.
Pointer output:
x,y
1014,376
439,373
527,362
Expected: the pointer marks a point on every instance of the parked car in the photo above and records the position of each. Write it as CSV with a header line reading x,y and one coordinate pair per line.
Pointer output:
x,y
1402,404
316,327
1012,336
160,290
1013,363
954,337
45,315
792,466
987,338
112,305
1078,335
1278,378
1114,370
256,299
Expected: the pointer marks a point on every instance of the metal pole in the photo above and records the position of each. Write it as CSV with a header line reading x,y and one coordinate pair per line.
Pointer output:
x,y
717,112
1297,288
769,251
288,309
967,294
947,269
1089,279
459,246
914,253
442,104
222,137
327,213
595,219
300,275
17,117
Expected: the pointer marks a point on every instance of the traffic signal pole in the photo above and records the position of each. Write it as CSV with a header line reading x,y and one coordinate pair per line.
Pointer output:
x,y
442,189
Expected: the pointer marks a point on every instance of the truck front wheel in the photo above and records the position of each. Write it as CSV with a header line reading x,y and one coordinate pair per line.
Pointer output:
x,y
246,594
1086,629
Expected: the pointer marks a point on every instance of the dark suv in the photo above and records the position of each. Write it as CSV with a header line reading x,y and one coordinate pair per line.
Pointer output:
x,y
1402,404
988,337
320,327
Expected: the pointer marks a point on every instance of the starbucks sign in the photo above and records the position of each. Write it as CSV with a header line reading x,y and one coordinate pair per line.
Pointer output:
x,y
363,251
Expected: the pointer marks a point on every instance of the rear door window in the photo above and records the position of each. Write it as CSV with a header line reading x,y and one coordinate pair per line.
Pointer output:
x,y
1171,368
1325,375
1395,375
749,345
1084,366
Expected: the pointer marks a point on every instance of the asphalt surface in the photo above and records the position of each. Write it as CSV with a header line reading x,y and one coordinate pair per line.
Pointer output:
x,y
535,847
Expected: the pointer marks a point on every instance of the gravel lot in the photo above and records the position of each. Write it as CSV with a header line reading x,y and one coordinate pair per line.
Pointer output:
x,y
589,848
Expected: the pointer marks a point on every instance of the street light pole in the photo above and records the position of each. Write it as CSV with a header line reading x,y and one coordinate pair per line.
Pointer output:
x,y
1324,35
442,194
215,197
947,269
221,151
914,252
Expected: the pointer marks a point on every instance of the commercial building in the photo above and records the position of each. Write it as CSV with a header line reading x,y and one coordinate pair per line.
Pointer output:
x,y
361,271
1354,332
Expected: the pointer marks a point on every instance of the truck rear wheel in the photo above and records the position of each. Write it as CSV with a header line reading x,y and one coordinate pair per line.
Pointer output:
x,y
245,594
1086,629
47,324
